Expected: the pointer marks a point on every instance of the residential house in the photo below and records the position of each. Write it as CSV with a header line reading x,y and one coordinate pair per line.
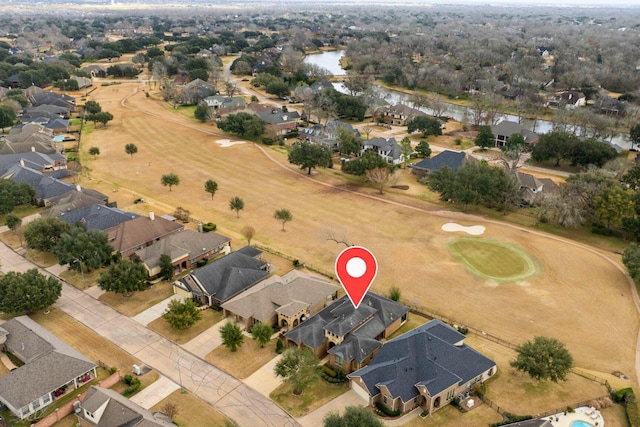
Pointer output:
x,y
450,159
427,367
224,104
283,301
351,337
185,249
95,70
280,121
93,217
71,201
532,188
57,126
83,82
51,367
29,137
48,111
193,92
52,98
47,186
103,407
130,236
327,135
388,149
571,99
222,279
503,131
399,114
37,161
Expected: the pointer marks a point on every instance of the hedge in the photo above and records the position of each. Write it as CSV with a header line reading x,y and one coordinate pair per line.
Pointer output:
x,y
388,412
627,397
511,418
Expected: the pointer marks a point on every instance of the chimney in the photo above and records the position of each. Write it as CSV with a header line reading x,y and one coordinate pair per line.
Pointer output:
x,y
78,188
152,216
22,162
33,149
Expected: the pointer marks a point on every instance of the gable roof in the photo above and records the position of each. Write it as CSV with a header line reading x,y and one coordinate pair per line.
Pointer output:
x,y
95,217
43,353
140,231
276,116
71,201
119,411
432,355
389,146
508,128
31,159
46,185
451,159
289,294
227,276
372,317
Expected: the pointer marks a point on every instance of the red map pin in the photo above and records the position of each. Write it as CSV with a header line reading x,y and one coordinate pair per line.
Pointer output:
x,y
356,267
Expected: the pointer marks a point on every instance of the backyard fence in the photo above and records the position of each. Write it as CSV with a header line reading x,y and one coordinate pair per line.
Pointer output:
x,y
574,405
293,259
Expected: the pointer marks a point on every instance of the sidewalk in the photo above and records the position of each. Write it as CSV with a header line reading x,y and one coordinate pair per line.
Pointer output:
x,y
155,392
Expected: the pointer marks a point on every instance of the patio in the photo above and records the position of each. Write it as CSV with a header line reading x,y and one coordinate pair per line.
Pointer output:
x,y
587,415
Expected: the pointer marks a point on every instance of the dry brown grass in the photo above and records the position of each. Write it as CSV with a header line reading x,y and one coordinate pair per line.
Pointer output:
x,y
450,417
318,393
85,340
245,360
81,280
572,298
413,321
145,380
138,301
42,259
181,336
13,240
192,412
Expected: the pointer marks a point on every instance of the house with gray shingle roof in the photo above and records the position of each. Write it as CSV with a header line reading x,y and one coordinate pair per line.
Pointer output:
x,y
427,367
351,337
388,149
103,407
51,367
283,301
224,104
222,279
279,120
450,159
95,217
503,130
185,249
37,161
399,114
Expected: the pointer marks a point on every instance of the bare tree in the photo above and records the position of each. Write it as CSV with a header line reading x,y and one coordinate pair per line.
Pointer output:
x,y
248,233
437,106
339,238
230,87
367,129
170,409
419,100
379,177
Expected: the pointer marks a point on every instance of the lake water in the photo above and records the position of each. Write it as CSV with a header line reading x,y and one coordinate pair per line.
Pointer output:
x,y
331,61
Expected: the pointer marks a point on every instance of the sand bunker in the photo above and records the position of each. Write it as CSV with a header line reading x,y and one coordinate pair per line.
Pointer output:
x,y
228,143
474,230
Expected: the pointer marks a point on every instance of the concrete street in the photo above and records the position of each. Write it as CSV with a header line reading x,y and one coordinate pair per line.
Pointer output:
x,y
152,313
227,394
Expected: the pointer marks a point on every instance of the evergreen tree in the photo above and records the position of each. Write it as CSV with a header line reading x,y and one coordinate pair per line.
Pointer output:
x,y
28,292
232,336
124,277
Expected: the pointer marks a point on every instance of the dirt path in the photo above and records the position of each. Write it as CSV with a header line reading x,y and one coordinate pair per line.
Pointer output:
x,y
580,295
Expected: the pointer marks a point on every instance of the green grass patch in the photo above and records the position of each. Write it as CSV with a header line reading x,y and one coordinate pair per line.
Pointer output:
x,y
493,260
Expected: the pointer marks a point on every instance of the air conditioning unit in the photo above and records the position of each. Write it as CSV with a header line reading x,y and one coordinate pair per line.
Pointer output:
x,y
137,370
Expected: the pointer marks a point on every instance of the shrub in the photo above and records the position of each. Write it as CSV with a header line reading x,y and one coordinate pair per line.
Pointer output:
x,y
297,263
458,141
388,412
279,346
127,379
209,227
113,370
329,371
620,396
511,418
463,330
138,200
201,262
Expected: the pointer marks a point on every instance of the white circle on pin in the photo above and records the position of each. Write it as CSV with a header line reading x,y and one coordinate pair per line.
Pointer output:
x,y
356,267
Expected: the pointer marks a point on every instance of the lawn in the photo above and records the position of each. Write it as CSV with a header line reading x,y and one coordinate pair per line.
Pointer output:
x,y
81,280
145,380
493,260
42,259
192,412
244,361
449,416
209,318
138,301
413,321
21,211
11,239
85,340
318,393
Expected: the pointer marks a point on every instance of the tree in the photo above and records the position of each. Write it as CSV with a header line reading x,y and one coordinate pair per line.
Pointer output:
x,y
236,204
283,215
354,416
261,332
634,135
28,292
359,166
309,156
83,249
543,359
210,186
101,117
94,151
485,138
43,234
394,293
7,116
248,232
298,367
615,203
348,143
169,180
13,221
166,267
92,107
170,409
379,177
631,260
426,125
131,149
243,124
405,149
554,145
232,336
124,277
423,149
202,112
512,151
182,314
278,87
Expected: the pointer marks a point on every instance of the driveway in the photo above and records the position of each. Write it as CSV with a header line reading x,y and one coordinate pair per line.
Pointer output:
x,y
155,392
227,394
152,313
264,381
204,343
350,398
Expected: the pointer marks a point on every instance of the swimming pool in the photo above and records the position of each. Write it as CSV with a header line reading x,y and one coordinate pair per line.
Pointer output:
x,y
581,424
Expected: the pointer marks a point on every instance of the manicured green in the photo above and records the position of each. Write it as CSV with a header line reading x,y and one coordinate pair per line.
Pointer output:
x,y
493,260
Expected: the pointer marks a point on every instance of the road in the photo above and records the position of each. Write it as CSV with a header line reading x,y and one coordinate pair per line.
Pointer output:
x,y
227,394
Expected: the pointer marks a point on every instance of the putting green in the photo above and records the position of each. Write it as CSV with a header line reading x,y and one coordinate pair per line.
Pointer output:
x,y
493,260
